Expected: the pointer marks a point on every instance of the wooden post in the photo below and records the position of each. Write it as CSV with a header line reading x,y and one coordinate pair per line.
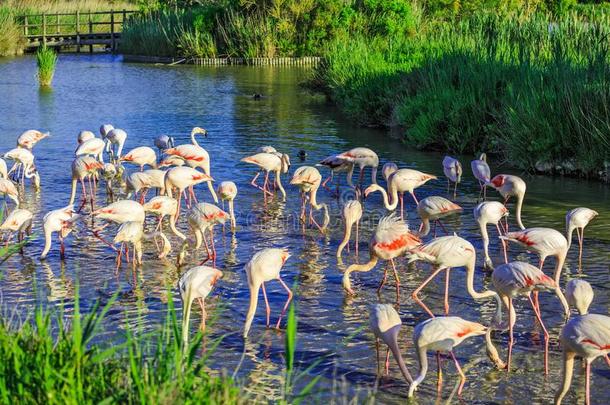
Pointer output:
x,y
44,29
77,31
90,36
25,26
57,23
112,42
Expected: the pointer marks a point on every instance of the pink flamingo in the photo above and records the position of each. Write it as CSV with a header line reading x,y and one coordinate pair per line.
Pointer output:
x,y
351,213
60,221
138,182
445,253
84,136
30,138
401,181
133,232
520,279
453,171
337,165
196,284
114,137
3,169
141,156
509,186
164,206
228,191
482,172
388,169
195,156
385,324
308,179
8,189
265,266
84,168
442,334
434,208
362,157
586,336
181,178
18,221
578,219
544,242
201,218
491,212
269,162
93,147
391,239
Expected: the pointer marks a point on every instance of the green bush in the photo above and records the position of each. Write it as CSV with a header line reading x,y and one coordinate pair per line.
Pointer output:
x,y
11,42
46,59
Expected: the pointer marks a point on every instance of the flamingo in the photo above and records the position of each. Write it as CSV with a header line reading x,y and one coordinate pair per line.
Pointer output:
x,y
515,279
391,239
401,181
491,212
579,295
60,221
434,208
201,218
84,136
482,172
388,169
195,156
453,171
181,178
196,284
337,165
171,160
93,147
115,137
586,336
30,138
265,266
508,185
121,211
141,156
109,172
544,242
163,142
578,219
385,324
445,253
442,334
133,232
352,213
24,163
308,179
8,189
164,206
105,130
362,157
3,169
138,182
266,149
269,162
157,179
228,191
84,167
18,221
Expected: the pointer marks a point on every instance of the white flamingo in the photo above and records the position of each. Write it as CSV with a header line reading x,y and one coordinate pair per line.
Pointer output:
x,y
578,218
453,171
60,221
482,172
491,212
351,213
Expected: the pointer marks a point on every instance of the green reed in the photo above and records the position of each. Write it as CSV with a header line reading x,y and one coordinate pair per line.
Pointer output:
x,y
11,42
533,88
46,60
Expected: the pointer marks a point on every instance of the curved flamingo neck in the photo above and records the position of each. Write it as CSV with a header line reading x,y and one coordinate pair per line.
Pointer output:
x,y
360,268
391,339
193,140
346,236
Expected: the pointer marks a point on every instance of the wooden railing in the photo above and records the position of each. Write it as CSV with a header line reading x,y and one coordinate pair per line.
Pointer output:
x,y
74,29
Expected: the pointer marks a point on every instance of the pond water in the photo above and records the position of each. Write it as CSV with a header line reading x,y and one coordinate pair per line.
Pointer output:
x,y
148,100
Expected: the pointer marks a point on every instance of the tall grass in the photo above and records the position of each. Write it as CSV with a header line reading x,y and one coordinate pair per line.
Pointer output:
x,y
46,59
11,42
533,88
62,359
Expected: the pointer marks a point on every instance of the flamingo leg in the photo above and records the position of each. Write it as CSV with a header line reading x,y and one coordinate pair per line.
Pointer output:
x,y
581,237
267,307
455,190
503,244
377,352
546,336
213,246
447,291
387,362
418,289
414,198
203,313
253,183
439,382
442,226
383,280
588,382
324,184
357,237
397,280
459,370
402,206
287,302
510,335
192,193
62,249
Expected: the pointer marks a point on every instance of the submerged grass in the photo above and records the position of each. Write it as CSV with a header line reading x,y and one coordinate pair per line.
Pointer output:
x,y
60,359
46,59
532,88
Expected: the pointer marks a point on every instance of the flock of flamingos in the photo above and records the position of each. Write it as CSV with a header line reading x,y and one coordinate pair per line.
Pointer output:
x,y
180,168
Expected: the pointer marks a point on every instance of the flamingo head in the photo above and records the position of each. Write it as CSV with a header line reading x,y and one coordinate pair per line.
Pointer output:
x,y
498,181
198,130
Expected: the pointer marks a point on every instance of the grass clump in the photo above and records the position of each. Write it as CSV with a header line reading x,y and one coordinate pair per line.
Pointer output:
x,y
46,59
11,42
61,359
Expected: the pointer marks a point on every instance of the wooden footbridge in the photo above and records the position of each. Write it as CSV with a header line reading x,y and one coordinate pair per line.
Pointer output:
x,y
74,30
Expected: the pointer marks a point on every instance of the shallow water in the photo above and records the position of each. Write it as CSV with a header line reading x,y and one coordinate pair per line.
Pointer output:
x,y
148,100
